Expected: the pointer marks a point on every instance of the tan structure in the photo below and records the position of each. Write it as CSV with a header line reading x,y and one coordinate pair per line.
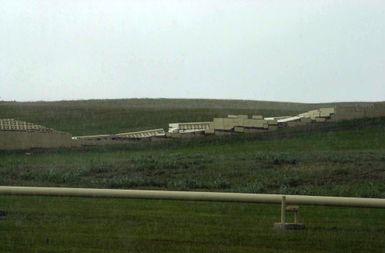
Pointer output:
x,y
242,124
277,118
238,116
189,127
120,138
17,125
290,119
359,111
346,112
129,135
319,115
93,137
15,134
210,130
143,134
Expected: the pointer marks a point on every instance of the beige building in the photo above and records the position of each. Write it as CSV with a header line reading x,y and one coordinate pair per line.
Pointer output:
x,y
360,111
243,124
15,134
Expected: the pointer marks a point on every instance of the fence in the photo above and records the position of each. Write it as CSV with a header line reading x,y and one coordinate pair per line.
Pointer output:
x,y
195,196
284,200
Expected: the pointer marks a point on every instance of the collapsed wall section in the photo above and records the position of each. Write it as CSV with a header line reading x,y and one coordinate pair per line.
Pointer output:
x,y
120,138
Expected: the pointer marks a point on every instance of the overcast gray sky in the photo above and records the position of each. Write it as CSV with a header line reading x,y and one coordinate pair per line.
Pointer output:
x,y
307,51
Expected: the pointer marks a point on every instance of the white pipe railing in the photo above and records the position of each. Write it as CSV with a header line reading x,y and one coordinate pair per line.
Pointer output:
x,y
195,196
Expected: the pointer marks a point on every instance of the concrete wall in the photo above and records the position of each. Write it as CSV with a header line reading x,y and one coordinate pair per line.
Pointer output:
x,y
13,140
228,124
360,111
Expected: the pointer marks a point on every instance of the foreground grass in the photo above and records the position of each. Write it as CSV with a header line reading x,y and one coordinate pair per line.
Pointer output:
x,y
48,224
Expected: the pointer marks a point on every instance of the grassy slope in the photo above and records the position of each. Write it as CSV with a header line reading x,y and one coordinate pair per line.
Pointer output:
x,y
112,116
347,162
344,162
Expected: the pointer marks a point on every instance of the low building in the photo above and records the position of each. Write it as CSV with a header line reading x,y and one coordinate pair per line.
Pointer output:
x,y
242,124
350,112
21,135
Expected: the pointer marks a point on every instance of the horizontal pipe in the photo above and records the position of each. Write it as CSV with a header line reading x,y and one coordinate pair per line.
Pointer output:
x,y
194,196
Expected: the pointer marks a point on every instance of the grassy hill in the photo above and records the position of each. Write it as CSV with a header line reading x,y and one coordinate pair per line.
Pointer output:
x,y
85,117
347,156
341,159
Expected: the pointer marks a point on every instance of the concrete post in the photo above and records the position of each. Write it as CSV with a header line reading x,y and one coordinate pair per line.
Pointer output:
x,y
283,210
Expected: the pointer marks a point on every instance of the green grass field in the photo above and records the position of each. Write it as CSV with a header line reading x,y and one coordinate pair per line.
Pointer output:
x,y
43,224
344,159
